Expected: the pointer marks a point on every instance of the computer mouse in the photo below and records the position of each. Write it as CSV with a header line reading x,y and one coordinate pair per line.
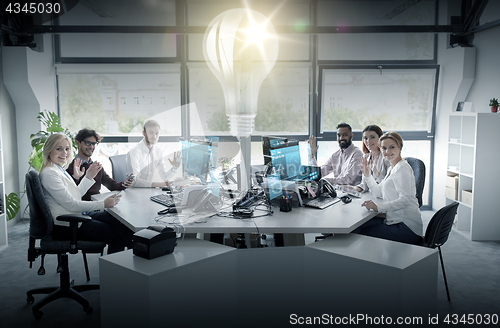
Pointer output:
x,y
346,199
167,189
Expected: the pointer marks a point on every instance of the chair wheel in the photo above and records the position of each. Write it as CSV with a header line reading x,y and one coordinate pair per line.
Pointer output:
x,y
37,314
89,310
30,299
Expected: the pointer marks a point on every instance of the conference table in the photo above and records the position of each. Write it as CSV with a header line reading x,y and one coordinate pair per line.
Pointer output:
x,y
137,212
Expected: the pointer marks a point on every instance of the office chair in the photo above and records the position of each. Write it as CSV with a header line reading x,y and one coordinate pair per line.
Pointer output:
x,y
41,224
437,233
419,172
119,167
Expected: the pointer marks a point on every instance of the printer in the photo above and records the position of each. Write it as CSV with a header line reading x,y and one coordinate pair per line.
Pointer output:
x,y
154,241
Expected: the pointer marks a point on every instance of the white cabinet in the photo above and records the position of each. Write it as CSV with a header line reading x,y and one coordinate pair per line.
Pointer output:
x,y
3,214
474,156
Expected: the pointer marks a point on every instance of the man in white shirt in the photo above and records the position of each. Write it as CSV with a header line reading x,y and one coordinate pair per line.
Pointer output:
x,y
342,165
147,156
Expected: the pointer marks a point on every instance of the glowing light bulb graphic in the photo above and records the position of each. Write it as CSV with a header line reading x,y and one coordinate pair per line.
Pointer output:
x,y
241,47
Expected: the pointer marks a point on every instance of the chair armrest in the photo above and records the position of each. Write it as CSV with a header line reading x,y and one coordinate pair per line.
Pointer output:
x,y
74,218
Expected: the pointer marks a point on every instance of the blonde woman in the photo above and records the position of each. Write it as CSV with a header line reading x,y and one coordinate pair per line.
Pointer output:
x,y
64,197
402,222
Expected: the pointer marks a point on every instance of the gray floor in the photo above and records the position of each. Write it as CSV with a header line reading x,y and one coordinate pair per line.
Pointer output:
x,y
473,270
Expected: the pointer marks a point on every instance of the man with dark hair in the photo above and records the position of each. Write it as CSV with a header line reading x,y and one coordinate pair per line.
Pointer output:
x,y
343,166
86,140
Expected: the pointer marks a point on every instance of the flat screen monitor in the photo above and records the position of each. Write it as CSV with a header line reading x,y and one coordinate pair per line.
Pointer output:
x,y
284,156
286,161
196,158
268,143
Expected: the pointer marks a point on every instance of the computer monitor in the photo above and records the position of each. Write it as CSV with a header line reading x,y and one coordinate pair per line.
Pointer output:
x,y
286,161
268,143
284,156
196,158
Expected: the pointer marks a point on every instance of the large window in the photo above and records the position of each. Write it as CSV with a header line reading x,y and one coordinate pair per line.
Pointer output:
x,y
283,105
118,104
394,99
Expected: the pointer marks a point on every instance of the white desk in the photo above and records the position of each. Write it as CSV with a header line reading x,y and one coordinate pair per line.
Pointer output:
x,y
137,211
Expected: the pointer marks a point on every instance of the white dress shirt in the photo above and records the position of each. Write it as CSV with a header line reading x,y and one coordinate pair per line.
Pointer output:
x,y
142,162
398,194
344,164
64,196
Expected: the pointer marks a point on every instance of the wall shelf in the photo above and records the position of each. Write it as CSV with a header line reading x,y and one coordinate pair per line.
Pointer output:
x,y
472,157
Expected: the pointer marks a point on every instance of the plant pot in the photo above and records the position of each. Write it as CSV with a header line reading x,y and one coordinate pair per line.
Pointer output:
x,y
494,109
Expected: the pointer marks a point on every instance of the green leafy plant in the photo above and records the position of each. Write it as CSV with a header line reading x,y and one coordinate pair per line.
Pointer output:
x,y
226,162
494,102
13,204
52,125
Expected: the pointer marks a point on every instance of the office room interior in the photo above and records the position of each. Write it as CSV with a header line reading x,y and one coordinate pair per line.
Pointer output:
x,y
424,68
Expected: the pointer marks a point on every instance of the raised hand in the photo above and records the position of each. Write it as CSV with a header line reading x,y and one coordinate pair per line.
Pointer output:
x,y
313,144
93,169
78,171
365,167
177,159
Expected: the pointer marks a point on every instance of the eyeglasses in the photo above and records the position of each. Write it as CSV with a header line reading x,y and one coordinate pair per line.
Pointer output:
x,y
90,143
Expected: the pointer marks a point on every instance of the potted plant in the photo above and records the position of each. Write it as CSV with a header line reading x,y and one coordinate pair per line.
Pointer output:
x,y
225,162
494,105
13,204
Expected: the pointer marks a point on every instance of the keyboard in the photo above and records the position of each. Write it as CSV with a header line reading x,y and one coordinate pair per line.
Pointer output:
x,y
321,202
163,199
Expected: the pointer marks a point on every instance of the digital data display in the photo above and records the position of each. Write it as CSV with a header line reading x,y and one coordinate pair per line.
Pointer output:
x,y
286,162
195,158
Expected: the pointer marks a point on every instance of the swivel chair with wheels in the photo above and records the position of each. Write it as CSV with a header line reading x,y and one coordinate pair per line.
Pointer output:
x,y
419,172
437,233
119,167
41,224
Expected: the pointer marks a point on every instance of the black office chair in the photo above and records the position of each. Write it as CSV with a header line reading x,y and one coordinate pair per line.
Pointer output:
x,y
437,233
41,224
419,172
119,167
